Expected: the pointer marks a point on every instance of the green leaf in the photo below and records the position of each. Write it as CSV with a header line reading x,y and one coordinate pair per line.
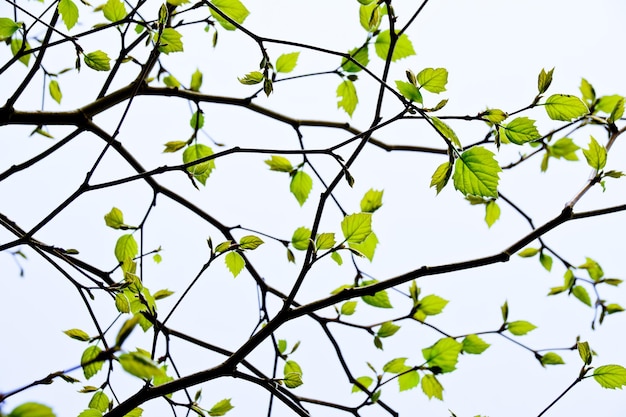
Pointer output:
x,y
224,246
99,401
87,361
546,261
177,2
174,146
387,329
544,80
301,238
520,327
408,380
300,186
287,62
595,155
348,308
16,46
157,258
231,8
593,269
585,352
55,91
396,366
564,148
617,112
31,409
234,262
122,304
69,12
126,329
403,47
77,334
581,293
379,299
607,104
610,376
444,354
551,358
520,130
140,364
171,81
370,16
505,311
360,55
293,374
348,99
432,387
493,116
587,91
474,345
476,173
492,212
366,381
433,79
279,163
441,176
528,252
356,227
335,256
196,80
97,60
161,294
409,91
202,170
7,28
221,408
372,201
446,131
250,242
90,412
432,305
325,241
135,412
170,41
114,10
126,248
251,78
114,219
367,247
565,107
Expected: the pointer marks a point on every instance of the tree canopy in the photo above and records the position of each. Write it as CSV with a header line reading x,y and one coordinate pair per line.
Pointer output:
x,y
231,207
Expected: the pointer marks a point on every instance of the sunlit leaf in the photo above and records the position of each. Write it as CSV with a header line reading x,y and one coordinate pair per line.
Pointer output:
x,y
387,329
372,201
587,91
366,381
139,364
88,362
325,241
581,293
126,248
55,91
234,262
293,374
409,91
32,409
98,61
77,334
366,247
7,28
250,242
441,176
356,227
287,62
348,99
551,358
221,408
403,47
370,15
234,9
196,80
446,131
69,12
348,308
610,376
565,107
301,238
595,155
170,41
16,46
520,327
520,130
300,186
360,55
408,380
432,387
202,170
99,401
474,345
433,79
476,173
114,10
251,78
544,80
444,354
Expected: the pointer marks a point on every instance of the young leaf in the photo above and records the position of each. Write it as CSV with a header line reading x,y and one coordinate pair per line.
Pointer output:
x,y
279,163
325,241
544,80
474,345
387,329
595,155
441,176
293,374
366,381
587,91
300,186
369,15
7,28
126,248
197,120
520,327
432,387
564,148
348,308
16,46
346,93
360,55
505,311
581,293
196,80
593,269
372,201
403,47
528,253
251,78
114,10
114,219
250,242
31,409
492,212
170,41
610,376
396,366
88,362
367,247
446,131
77,334
444,354
139,364
493,116
97,60
301,238
356,227
122,304
408,380
379,299
551,358
69,12
607,104
520,130
171,81
161,294
99,401
287,62
476,173
202,170
231,8
585,352
335,256
234,262
432,305
565,107
409,91
221,408
55,91
433,79
546,261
